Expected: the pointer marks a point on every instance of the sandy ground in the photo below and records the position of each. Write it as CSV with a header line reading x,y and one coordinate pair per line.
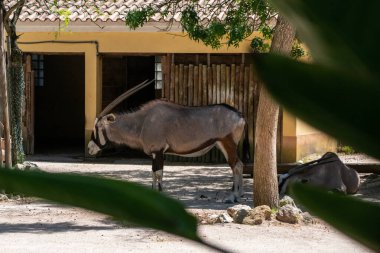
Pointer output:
x,y
33,225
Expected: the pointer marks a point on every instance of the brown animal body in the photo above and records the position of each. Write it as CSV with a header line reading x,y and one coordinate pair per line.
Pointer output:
x,y
161,127
328,172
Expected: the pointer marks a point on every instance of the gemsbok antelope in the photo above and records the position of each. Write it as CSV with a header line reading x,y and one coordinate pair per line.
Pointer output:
x,y
161,127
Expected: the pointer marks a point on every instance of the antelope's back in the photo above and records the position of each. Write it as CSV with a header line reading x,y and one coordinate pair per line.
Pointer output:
x,y
194,123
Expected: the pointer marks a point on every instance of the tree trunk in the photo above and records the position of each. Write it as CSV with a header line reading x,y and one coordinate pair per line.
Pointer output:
x,y
265,190
16,90
17,86
4,95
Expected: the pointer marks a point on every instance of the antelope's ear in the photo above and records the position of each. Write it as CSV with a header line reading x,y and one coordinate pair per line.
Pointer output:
x,y
111,117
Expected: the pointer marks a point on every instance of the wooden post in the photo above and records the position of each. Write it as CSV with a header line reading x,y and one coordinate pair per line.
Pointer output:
x,y
190,85
233,84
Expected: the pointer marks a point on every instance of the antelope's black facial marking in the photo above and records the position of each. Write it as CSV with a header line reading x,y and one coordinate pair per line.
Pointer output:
x,y
99,139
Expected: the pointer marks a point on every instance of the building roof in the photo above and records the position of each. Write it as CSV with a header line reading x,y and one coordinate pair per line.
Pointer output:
x,y
95,10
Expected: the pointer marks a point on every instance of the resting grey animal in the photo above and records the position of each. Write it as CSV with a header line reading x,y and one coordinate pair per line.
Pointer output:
x,y
328,172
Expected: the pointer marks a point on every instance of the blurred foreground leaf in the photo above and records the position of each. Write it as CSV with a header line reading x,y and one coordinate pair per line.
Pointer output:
x,y
122,200
342,34
340,103
354,217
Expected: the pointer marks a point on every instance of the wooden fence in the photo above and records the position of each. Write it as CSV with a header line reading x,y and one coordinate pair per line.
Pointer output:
x,y
194,85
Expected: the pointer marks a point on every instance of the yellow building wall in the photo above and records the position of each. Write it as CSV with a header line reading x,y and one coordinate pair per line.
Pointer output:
x,y
300,140
91,44
298,137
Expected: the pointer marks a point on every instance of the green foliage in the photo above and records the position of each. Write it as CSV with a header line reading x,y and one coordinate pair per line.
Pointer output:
x,y
348,150
66,16
241,19
137,18
345,72
297,50
259,46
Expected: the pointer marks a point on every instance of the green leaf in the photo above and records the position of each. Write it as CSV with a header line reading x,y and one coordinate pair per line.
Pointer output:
x,y
352,216
339,33
122,200
342,104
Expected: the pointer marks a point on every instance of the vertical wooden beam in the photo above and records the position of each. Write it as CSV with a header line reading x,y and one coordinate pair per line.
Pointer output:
x,y
250,121
176,84
223,84
209,86
185,84
172,82
214,84
233,84
205,85
246,89
218,84
180,85
196,86
228,85
190,83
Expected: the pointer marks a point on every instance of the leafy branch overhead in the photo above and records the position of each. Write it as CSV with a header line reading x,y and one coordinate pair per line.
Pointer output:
x,y
214,23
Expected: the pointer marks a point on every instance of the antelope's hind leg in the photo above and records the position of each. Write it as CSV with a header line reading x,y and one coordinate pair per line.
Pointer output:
x,y
229,150
157,170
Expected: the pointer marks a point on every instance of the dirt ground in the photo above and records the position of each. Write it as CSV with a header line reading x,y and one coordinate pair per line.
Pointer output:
x,y
34,225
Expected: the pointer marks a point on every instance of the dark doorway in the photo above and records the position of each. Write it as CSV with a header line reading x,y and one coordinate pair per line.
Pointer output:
x,y
59,103
121,73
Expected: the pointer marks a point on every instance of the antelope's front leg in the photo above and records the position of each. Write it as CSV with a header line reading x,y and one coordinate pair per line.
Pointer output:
x,y
157,171
237,188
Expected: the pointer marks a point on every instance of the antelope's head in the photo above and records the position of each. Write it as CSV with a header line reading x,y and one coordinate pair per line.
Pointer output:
x,y
99,136
99,139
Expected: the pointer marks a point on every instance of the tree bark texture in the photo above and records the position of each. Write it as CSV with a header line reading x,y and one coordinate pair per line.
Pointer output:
x,y
4,95
265,190
17,87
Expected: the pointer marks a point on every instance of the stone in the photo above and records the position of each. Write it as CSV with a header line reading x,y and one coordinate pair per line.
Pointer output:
x,y
258,215
263,211
253,221
234,209
289,214
240,215
307,218
286,200
26,166
3,197
212,219
225,218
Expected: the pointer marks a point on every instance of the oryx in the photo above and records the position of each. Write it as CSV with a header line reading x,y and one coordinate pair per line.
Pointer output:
x,y
160,127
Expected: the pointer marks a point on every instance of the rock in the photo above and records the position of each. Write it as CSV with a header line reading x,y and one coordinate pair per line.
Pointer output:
x,y
263,211
212,219
286,200
307,218
3,197
258,215
250,221
240,215
26,166
289,214
234,209
225,218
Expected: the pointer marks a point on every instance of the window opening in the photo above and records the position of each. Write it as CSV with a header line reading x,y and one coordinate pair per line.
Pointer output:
x,y
158,72
38,68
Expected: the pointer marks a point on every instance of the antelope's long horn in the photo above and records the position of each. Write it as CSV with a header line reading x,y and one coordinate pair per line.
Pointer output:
x,y
123,96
